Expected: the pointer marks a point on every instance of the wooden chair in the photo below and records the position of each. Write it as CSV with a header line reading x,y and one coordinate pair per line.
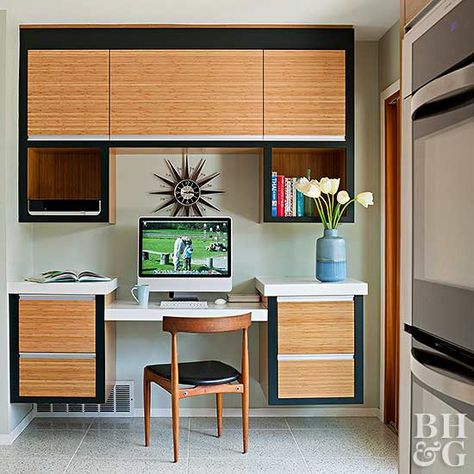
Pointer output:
x,y
203,377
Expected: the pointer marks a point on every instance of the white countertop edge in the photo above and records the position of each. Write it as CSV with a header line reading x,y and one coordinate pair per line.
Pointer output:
x,y
129,311
84,288
308,286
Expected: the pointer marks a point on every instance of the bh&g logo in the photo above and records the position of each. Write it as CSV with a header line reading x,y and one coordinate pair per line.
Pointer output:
x,y
445,439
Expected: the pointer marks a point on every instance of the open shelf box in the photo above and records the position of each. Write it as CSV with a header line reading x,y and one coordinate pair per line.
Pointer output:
x,y
66,184
296,162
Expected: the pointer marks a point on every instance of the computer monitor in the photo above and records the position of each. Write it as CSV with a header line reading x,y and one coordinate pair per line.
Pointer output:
x,y
185,254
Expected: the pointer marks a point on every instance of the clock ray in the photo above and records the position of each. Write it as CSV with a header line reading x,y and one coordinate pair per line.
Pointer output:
x,y
165,204
207,179
198,170
197,210
205,202
186,189
173,170
166,180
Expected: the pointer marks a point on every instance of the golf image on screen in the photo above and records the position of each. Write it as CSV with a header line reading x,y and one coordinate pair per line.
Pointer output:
x,y
184,248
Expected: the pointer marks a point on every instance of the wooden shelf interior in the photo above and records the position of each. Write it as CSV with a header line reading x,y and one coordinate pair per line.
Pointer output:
x,y
294,162
64,173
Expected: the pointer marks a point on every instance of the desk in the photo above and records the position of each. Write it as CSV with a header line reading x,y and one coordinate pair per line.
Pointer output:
x,y
130,311
310,347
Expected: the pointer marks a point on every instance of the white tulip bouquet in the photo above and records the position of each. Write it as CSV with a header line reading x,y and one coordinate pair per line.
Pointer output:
x,y
324,191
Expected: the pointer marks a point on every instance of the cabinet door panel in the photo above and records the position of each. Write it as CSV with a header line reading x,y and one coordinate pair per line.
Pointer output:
x,y
304,93
57,377
316,328
315,378
186,92
57,326
68,92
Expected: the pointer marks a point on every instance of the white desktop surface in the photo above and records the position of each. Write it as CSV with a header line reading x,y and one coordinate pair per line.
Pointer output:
x,y
308,286
130,311
69,288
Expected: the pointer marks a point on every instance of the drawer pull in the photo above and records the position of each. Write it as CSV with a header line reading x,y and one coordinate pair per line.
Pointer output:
x,y
57,355
282,357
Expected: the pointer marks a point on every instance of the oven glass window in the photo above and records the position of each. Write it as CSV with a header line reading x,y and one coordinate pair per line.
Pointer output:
x,y
444,202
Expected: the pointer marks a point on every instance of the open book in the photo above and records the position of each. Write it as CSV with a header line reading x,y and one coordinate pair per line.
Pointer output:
x,y
55,276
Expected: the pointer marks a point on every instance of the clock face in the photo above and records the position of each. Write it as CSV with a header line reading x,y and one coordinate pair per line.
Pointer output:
x,y
187,192
189,189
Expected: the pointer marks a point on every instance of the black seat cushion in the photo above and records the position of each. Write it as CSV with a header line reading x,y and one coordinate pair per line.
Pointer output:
x,y
206,372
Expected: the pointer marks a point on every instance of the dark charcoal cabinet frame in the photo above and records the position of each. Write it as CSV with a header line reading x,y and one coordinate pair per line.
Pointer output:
x,y
182,38
358,397
15,357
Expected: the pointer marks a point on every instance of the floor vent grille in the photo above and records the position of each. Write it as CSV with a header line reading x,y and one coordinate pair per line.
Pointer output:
x,y
119,403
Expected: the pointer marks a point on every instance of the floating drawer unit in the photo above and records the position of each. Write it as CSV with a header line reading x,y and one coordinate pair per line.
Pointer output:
x,y
313,345
62,350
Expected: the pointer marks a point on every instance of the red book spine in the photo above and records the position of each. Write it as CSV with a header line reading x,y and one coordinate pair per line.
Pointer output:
x,y
280,196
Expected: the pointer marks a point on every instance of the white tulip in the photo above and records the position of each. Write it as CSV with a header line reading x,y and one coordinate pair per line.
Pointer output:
x,y
366,199
325,185
308,188
334,185
343,197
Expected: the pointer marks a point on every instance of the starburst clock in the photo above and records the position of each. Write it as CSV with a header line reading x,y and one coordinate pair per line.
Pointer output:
x,y
189,189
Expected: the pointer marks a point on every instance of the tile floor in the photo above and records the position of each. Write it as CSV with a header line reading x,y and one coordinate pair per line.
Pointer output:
x,y
277,445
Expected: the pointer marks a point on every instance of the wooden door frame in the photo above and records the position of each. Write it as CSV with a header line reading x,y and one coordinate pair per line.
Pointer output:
x,y
384,95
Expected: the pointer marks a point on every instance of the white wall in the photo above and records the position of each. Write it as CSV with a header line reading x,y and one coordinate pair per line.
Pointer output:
x,y
389,57
368,16
15,239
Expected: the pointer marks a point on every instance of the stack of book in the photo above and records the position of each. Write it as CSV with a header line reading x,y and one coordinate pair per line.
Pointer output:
x,y
287,201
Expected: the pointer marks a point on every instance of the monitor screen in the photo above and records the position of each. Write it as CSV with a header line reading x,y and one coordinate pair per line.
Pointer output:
x,y
184,247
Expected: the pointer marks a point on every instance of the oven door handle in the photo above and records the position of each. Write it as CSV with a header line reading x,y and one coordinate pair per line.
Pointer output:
x,y
453,388
440,93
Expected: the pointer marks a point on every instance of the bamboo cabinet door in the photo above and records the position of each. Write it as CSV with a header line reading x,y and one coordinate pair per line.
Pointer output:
x,y
187,93
68,93
305,94
316,349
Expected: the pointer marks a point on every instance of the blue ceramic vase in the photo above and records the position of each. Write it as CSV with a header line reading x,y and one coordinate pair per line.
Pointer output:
x,y
331,257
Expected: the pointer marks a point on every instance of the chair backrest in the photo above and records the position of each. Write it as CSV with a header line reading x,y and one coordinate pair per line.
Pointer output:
x,y
177,324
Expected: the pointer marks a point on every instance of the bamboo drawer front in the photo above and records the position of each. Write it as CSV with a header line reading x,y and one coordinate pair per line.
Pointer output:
x,y
68,92
57,377
316,378
316,327
57,325
304,92
186,92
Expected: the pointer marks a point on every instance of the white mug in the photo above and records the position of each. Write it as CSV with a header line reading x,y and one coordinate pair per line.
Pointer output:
x,y
142,294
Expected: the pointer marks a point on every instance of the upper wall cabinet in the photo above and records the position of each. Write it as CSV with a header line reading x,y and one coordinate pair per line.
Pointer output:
x,y
187,93
305,94
68,93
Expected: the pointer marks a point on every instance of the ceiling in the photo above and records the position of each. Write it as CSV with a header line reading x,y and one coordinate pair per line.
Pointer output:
x,y
371,18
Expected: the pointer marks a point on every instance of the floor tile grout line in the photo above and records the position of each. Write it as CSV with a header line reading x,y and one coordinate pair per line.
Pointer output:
x,y
297,445
80,444
189,444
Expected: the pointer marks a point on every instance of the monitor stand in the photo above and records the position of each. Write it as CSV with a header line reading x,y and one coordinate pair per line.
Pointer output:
x,y
177,296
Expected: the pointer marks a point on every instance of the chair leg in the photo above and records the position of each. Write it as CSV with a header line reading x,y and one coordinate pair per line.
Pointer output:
x,y
146,405
175,411
245,419
219,397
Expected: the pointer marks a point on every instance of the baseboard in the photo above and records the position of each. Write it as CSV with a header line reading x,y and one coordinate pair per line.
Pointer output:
x,y
6,439
265,412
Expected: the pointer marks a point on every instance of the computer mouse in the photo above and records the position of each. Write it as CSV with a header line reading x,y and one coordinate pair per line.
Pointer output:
x,y
220,301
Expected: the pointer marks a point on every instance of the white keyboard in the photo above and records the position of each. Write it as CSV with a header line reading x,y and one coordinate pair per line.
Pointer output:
x,y
183,304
